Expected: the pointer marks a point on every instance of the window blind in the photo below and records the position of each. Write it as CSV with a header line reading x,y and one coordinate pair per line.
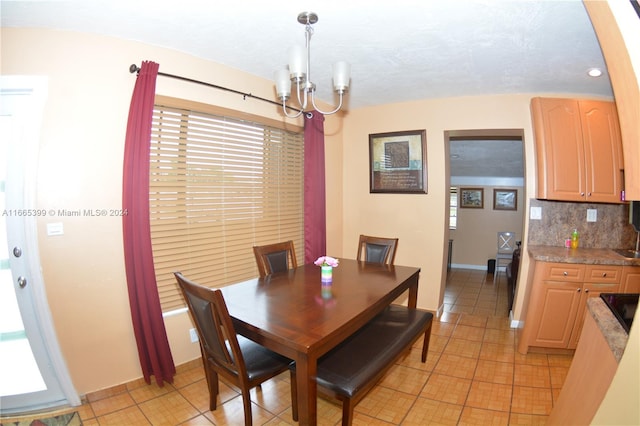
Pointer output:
x,y
218,186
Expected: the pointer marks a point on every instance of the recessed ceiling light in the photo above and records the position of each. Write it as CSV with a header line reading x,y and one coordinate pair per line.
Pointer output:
x,y
594,72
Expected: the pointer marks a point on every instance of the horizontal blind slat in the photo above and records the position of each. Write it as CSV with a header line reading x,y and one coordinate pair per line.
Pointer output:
x,y
218,186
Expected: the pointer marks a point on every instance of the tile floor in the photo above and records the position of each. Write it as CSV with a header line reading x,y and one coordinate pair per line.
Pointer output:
x,y
473,375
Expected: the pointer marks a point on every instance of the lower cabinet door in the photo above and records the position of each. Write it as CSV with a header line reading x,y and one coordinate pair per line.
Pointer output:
x,y
630,279
589,290
556,314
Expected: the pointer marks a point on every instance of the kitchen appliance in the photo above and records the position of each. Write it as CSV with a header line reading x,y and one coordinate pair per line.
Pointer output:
x,y
623,306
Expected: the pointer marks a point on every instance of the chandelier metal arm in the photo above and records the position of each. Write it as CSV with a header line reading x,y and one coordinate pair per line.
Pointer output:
x,y
313,102
285,107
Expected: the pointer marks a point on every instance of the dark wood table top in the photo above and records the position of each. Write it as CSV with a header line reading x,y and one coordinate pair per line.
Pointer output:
x,y
296,307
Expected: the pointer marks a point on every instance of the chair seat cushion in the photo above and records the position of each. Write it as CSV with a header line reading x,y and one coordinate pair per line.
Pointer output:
x,y
355,362
259,360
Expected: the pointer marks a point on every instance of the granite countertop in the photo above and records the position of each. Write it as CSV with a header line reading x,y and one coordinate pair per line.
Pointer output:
x,y
610,327
588,256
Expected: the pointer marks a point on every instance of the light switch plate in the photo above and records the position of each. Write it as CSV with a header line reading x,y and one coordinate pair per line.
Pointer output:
x,y
535,213
592,215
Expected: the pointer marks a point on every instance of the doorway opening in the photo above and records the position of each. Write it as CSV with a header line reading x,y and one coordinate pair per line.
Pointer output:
x,y
484,167
486,175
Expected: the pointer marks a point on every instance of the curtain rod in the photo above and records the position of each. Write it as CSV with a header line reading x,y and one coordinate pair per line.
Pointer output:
x,y
135,69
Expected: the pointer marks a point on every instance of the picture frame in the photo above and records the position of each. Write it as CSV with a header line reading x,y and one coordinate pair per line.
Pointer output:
x,y
505,199
398,162
472,198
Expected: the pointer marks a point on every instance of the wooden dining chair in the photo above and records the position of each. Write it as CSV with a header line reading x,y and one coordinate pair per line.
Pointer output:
x,y
239,360
377,249
277,257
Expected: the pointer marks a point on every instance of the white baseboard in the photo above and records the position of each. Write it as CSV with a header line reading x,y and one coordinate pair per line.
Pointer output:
x,y
515,323
476,267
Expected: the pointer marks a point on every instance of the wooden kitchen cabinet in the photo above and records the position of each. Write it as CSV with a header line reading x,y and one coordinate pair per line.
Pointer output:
x,y
558,301
598,279
553,305
579,150
630,279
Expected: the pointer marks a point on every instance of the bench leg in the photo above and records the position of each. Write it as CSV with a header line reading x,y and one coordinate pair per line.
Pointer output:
x,y
425,344
347,412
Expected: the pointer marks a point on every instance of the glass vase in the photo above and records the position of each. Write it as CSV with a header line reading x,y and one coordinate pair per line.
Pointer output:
x,y
326,274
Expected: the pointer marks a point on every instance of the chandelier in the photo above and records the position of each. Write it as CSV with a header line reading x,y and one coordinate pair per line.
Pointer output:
x,y
299,72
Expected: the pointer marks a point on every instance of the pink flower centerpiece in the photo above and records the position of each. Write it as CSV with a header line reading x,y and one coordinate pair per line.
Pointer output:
x,y
326,263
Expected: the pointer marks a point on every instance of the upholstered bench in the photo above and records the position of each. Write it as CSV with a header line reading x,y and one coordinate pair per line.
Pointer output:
x,y
352,368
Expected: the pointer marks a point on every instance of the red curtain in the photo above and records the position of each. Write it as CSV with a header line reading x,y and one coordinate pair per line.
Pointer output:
x,y
146,314
315,218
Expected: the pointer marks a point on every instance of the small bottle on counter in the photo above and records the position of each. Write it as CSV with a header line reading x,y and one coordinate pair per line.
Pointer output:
x,y
574,239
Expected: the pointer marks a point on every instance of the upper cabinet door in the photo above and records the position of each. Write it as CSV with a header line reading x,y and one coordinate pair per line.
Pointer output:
x,y
603,151
559,149
579,152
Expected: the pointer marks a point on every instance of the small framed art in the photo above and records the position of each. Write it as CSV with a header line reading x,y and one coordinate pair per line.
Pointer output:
x,y
505,199
472,198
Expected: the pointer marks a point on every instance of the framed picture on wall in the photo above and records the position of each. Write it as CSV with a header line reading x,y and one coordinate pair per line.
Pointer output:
x,y
505,199
398,162
472,198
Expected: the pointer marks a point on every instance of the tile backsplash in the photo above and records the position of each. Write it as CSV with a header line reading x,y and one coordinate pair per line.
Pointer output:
x,y
611,230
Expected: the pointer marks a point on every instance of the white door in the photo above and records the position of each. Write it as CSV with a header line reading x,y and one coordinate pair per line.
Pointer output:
x,y
33,375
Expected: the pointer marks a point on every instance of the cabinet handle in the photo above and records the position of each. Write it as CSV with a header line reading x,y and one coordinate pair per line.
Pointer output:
x,y
579,290
586,290
604,274
565,273
582,194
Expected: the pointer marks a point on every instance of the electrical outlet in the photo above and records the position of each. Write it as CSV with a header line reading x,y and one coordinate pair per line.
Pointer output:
x,y
194,335
592,215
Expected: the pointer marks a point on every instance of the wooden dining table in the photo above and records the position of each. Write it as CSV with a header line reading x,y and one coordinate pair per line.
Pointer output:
x,y
297,315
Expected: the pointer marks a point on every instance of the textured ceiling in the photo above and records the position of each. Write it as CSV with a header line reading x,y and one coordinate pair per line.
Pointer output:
x,y
399,50
486,158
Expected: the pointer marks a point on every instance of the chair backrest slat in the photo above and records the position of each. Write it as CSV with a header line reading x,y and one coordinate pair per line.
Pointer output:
x,y
214,325
506,242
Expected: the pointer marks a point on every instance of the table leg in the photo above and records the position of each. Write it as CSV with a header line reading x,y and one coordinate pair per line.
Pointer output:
x,y
413,295
306,369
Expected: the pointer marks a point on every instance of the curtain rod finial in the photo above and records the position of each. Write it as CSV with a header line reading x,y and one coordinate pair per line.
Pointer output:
x,y
133,68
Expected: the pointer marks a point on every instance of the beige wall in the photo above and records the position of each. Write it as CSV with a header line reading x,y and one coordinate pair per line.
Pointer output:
x,y
475,238
80,166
